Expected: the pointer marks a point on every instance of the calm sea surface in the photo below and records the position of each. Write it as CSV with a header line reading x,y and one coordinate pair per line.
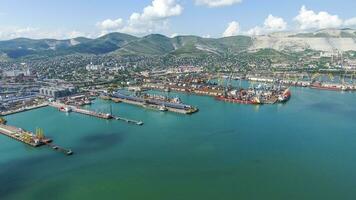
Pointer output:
x,y
305,149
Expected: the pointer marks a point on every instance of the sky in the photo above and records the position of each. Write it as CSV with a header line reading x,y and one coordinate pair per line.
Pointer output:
x,y
62,19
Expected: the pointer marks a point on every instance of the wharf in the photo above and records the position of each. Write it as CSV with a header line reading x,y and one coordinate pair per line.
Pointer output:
x,y
156,104
81,111
29,138
64,107
11,112
60,149
20,135
140,123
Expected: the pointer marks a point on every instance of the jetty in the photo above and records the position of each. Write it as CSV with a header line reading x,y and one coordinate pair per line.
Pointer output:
x,y
11,112
151,103
68,108
140,123
29,138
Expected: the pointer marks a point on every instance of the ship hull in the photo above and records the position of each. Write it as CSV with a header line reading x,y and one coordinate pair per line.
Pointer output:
x,y
327,88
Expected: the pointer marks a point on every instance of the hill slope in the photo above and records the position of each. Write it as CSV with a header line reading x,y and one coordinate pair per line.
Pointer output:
x,y
119,44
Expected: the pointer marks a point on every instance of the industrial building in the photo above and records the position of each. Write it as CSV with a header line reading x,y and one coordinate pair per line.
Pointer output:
x,y
58,92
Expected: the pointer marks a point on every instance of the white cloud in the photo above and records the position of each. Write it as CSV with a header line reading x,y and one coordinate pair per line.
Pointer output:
x,y
153,18
308,19
217,3
36,33
255,31
271,24
232,29
350,22
110,24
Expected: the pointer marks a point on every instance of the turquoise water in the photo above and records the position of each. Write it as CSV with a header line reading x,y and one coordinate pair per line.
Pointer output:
x,y
305,149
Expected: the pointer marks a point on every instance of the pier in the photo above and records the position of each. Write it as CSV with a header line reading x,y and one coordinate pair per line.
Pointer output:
x,y
29,138
11,112
60,149
140,123
23,136
160,105
68,108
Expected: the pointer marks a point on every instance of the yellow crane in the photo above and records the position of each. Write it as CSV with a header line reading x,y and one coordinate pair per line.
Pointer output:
x,y
39,133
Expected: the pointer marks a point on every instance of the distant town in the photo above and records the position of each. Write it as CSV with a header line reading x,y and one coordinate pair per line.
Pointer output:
x,y
27,83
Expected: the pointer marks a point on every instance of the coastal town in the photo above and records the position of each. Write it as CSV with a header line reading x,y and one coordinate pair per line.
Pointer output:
x,y
177,100
24,87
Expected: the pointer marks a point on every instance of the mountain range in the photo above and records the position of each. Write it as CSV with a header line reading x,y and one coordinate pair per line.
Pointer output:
x,y
120,44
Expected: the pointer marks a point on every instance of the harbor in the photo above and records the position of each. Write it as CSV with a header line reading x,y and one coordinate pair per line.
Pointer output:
x,y
236,142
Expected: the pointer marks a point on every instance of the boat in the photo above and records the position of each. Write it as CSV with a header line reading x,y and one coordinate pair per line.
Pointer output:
x,y
65,109
163,108
320,86
285,96
87,102
70,152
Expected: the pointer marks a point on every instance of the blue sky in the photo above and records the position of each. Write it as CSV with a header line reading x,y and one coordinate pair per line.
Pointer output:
x,y
66,18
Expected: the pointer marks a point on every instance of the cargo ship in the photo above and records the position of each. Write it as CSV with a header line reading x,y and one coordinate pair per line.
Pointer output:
x,y
320,86
158,103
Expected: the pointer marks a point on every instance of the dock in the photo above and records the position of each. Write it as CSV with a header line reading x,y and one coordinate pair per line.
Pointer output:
x,y
60,149
29,138
140,123
154,104
21,135
11,112
68,108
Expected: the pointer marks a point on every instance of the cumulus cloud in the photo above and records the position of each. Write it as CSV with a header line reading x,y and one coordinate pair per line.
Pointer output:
x,y
232,29
110,24
152,18
308,19
350,22
217,3
271,24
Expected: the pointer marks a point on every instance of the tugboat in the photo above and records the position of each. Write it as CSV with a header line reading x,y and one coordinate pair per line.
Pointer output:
x,y
65,109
